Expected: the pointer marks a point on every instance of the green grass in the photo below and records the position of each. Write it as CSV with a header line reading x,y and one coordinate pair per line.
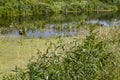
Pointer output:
x,y
17,52
94,57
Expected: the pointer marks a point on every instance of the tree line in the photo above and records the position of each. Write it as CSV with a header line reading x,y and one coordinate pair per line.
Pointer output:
x,y
33,7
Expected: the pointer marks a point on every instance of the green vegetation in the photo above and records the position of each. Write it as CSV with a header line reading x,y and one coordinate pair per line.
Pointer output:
x,y
92,52
36,7
94,57
16,52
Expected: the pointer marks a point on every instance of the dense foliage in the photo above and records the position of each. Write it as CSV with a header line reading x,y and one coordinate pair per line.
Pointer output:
x,y
93,58
27,7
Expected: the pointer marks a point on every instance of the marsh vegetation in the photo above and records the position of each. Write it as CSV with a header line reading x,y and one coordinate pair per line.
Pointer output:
x,y
92,57
59,40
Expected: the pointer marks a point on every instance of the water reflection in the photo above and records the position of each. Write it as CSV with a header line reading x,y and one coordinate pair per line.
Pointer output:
x,y
101,22
58,24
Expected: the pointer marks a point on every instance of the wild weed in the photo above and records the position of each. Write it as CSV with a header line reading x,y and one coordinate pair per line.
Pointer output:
x,y
89,59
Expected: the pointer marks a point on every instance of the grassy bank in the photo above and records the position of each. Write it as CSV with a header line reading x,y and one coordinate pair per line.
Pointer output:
x,y
95,57
17,52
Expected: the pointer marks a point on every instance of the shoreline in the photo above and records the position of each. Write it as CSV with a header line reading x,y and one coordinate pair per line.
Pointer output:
x,y
65,13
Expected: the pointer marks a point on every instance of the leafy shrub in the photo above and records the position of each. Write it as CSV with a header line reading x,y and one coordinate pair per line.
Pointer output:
x,y
89,59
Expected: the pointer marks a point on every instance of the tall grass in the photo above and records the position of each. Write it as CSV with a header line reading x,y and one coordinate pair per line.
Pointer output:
x,y
92,58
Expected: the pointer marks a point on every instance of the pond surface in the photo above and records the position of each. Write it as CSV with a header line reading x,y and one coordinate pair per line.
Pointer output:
x,y
56,25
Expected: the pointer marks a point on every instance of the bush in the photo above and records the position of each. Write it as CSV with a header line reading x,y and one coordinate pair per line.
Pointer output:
x,y
89,59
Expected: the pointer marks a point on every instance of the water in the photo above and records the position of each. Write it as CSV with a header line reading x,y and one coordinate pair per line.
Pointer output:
x,y
56,25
